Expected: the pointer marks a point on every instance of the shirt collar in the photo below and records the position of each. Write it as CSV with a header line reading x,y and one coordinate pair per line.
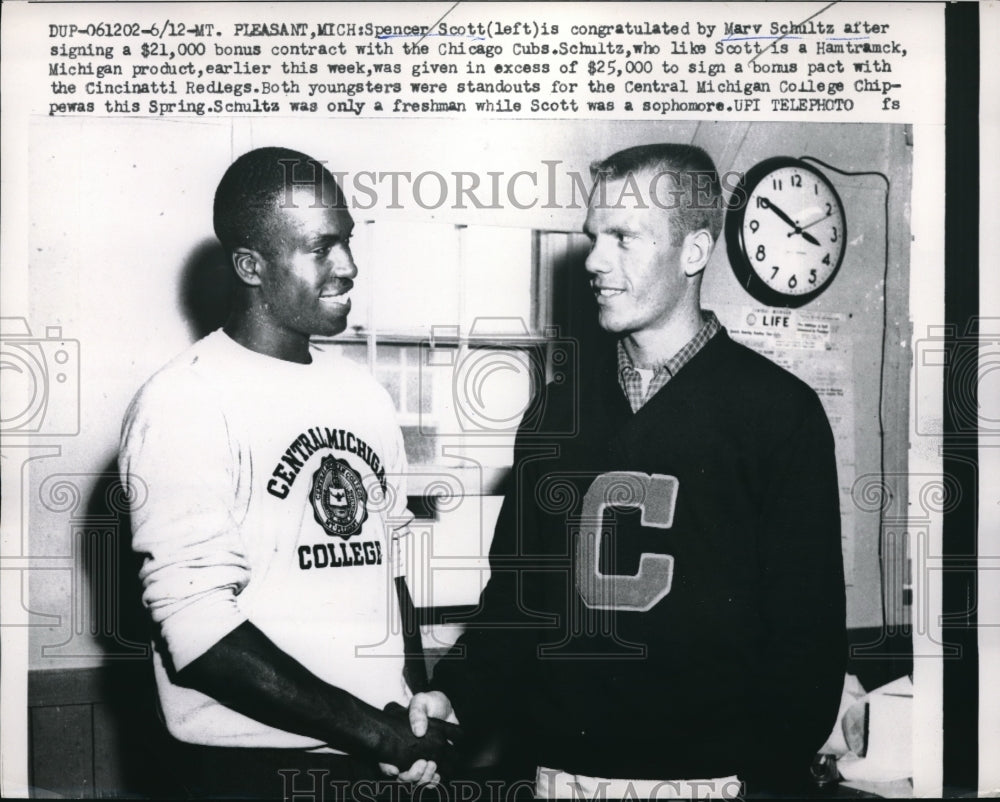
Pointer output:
x,y
709,328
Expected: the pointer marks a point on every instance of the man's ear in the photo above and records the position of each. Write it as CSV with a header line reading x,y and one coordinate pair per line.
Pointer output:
x,y
696,251
248,264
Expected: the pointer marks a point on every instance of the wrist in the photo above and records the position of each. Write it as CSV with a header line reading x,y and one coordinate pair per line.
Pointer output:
x,y
353,726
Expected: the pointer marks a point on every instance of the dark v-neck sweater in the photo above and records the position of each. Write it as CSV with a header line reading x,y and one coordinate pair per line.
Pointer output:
x,y
722,514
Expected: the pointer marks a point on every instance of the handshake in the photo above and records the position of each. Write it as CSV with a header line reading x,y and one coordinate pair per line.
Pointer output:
x,y
424,739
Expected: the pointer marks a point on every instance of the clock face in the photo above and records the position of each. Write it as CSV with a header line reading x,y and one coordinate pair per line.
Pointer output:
x,y
787,242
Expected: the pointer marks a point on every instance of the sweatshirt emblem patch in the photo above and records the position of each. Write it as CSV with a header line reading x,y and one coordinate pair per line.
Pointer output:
x,y
338,497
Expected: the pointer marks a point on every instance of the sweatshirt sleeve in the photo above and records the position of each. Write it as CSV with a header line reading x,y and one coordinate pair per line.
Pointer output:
x,y
183,474
398,516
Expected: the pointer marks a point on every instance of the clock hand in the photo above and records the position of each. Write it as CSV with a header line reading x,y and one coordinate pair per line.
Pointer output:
x,y
814,222
798,230
768,205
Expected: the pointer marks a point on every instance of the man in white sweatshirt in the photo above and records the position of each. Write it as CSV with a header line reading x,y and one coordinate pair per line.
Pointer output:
x,y
269,478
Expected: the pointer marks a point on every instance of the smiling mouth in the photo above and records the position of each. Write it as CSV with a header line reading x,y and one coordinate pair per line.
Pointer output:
x,y
607,292
342,299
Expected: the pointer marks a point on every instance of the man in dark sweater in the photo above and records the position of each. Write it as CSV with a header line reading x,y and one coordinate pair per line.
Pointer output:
x,y
665,613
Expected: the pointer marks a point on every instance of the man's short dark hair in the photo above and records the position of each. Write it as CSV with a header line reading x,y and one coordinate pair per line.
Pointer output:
x,y
693,174
253,188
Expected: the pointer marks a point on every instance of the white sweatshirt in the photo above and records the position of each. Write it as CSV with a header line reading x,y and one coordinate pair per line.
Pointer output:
x,y
274,492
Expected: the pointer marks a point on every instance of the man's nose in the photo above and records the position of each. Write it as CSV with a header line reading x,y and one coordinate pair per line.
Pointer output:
x,y
597,261
343,265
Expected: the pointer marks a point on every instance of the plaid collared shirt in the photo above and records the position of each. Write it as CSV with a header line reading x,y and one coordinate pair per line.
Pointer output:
x,y
631,382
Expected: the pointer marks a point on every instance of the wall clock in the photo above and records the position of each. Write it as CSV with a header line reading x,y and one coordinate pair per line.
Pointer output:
x,y
786,242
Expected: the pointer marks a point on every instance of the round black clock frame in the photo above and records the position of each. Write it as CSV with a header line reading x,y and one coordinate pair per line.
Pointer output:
x,y
743,258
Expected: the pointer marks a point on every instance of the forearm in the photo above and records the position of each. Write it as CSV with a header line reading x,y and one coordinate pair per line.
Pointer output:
x,y
247,672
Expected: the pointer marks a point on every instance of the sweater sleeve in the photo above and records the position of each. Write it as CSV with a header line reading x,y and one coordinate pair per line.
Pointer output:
x,y
802,597
182,472
485,672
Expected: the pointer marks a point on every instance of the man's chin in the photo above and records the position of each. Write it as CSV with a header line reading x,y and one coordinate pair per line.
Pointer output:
x,y
610,324
334,327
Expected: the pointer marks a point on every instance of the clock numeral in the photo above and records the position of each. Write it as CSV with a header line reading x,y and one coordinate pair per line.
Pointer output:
x,y
829,210
834,237
812,276
826,259
754,225
797,181
777,184
793,281
775,273
761,253
761,203
815,189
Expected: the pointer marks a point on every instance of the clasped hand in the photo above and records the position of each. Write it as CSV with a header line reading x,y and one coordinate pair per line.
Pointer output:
x,y
427,739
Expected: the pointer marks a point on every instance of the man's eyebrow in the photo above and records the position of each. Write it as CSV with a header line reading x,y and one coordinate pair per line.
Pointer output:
x,y
330,239
615,229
